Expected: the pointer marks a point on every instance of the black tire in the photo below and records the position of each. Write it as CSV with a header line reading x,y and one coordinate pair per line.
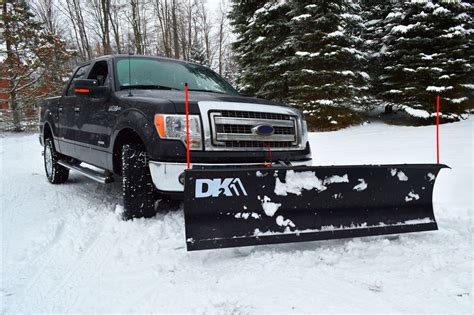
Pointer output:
x,y
137,185
56,174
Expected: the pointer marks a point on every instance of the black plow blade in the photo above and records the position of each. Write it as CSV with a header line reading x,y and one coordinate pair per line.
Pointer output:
x,y
241,207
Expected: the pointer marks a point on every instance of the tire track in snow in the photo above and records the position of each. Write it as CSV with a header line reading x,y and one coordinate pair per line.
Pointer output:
x,y
46,285
50,262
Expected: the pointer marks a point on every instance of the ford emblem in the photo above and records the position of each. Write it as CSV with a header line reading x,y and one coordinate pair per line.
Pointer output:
x,y
263,130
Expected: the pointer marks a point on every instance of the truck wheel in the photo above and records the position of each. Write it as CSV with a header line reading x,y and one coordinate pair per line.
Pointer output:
x,y
137,185
56,174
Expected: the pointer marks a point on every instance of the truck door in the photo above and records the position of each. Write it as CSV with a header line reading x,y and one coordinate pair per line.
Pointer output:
x,y
94,121
68,110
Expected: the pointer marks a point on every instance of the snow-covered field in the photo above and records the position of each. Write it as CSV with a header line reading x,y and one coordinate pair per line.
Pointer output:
x,y
65,250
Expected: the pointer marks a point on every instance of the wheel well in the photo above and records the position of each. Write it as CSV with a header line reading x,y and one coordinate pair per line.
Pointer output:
x,y
125,136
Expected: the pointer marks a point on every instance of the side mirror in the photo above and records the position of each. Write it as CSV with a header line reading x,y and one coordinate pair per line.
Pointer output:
x,y
90,88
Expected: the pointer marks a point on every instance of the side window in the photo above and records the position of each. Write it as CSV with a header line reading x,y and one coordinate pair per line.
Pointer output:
x,y
100,72
80,74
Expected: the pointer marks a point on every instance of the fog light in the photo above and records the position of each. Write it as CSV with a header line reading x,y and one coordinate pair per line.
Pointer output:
x,y
181,178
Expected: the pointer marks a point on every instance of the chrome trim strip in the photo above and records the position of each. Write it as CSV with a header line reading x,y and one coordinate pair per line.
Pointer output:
x,y
253,137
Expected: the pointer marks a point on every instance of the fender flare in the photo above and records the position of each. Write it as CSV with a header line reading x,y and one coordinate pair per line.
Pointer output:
x,y
138,122
141,125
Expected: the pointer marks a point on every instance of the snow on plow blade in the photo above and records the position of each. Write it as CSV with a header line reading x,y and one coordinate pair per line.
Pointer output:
x,y
241,207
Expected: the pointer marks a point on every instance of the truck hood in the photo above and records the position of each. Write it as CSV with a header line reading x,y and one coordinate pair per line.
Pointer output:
x,y
177,98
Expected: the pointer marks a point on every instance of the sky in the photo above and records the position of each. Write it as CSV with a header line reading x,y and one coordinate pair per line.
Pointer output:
x,y
213,6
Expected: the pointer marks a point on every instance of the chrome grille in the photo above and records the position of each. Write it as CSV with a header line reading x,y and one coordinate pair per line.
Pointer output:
x,y
235,130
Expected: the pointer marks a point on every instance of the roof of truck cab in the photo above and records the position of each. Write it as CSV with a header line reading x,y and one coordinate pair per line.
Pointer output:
x,y
114,56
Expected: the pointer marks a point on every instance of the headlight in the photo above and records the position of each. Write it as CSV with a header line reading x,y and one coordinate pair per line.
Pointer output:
x,y
174,127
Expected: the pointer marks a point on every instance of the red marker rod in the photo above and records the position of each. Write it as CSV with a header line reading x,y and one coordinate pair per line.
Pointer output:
x,y
437,129
188,153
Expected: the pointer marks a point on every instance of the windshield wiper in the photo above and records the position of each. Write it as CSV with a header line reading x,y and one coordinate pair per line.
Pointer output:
x,y
146,87
210,91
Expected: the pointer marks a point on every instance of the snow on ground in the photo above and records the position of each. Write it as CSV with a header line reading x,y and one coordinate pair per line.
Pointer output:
x,y
65,250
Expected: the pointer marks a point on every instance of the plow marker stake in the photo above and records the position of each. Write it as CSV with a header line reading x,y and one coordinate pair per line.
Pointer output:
x,y
241,207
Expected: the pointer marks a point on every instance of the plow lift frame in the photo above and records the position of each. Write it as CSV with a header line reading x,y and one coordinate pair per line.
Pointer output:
x,y
231,207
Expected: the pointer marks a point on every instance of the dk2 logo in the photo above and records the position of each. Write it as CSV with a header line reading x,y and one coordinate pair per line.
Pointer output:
x,y
217,186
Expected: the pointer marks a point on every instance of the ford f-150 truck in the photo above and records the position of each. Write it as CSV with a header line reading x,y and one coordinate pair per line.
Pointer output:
x,y
124,116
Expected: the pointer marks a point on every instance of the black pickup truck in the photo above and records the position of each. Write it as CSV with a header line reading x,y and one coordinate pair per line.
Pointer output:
x,y
123,116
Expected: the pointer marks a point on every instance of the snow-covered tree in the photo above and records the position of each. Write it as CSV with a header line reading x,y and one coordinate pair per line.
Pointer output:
x,y
330,57
242,18
270,48
198,53
327,67
327,62
374,19
428,51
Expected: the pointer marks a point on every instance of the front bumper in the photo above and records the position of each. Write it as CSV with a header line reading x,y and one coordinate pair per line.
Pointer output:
x,y
165,175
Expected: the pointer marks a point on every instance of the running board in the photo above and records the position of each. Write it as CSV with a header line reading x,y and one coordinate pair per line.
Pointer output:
x,y
87,172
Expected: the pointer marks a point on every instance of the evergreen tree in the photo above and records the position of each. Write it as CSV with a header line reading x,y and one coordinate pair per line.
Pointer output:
x,y
198,53
330,57
270,50
427,52
374,19
327,66
242,20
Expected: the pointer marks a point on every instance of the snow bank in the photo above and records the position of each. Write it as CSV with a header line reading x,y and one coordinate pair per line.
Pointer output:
x,y
420,113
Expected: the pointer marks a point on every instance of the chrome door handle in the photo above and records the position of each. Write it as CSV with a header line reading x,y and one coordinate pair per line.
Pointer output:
x,y
60,109
77,109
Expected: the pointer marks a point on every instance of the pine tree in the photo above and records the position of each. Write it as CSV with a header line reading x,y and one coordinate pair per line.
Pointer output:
x,y
198,53
242,20
330,57
328,65
374,19
270,48
427,52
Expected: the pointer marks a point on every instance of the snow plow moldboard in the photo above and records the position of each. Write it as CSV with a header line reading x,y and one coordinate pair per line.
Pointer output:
x,y
241,207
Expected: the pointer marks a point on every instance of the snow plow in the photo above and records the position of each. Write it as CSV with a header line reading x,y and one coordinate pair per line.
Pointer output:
x,y
252,206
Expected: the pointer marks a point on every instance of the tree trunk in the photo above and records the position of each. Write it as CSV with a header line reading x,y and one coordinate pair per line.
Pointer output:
x,y
136,26
115,29
11,77
106,34
175,30
221,42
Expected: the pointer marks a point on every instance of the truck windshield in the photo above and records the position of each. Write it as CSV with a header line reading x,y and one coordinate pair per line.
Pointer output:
x,y
148,73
